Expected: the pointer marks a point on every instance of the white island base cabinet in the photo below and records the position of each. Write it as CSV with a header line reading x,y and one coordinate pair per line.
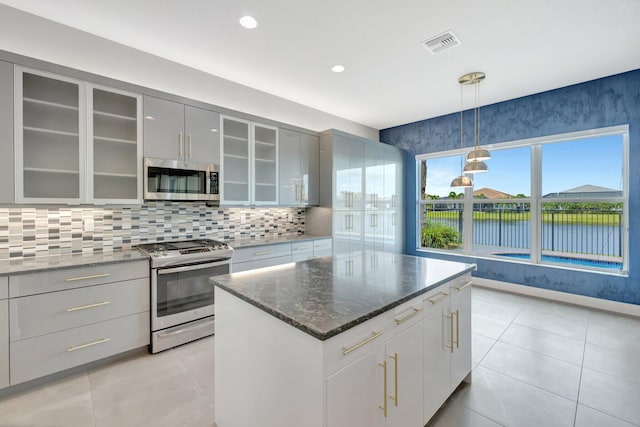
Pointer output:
x,y
378,373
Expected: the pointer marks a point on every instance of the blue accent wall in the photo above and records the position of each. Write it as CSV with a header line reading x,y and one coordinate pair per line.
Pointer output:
x,y
605,102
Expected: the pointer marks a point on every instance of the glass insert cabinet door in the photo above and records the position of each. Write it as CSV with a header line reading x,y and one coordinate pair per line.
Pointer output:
x,y
235,160
48,140
265,164
115,145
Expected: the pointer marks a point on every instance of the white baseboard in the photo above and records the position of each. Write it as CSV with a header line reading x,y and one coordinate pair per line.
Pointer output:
x,y
590,302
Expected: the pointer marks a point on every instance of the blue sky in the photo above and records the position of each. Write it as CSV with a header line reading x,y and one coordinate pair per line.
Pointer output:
x,y
565,165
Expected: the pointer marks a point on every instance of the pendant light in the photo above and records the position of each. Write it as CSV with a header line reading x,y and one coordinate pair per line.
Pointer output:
x,y
462,180
477,156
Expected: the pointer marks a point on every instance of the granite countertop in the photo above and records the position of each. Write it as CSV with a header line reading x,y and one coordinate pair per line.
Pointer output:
x,y
55,262
260,241
326,296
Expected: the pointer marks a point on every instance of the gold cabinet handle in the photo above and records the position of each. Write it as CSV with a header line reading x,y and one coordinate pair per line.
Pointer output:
x,y
374,335
441,295
264,253
302,248
415,312
180,144
383,365
466,285
395,374
189,143
450,317
93,276
84,307
457,329
91,344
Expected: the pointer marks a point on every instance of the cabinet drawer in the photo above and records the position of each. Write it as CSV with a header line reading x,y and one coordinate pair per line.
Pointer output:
x,y
40,356
460,284
56,311
356,342
261,252
251,265
69,278
436,298
4,343
4,287
322,247
406,315
301,247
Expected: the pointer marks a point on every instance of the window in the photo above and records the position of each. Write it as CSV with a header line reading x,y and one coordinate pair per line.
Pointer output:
x,y
558,200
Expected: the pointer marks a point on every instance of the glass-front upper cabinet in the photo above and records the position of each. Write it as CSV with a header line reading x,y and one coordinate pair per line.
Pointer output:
x,y
234,163
265,164
115,146
249,163
75,142
49,137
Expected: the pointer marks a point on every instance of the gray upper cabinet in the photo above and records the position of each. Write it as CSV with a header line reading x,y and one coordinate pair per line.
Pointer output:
x,y
50,138
75,142
7,194
176,131
299,166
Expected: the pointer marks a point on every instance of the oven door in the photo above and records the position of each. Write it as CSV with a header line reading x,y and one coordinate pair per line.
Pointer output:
x,y
183,294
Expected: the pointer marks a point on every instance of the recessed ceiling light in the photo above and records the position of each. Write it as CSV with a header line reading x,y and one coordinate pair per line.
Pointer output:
x,y
337,68
149,117
248,22
213,130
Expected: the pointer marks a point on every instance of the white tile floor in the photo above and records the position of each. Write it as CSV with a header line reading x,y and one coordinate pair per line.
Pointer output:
x,y
536,363
541,363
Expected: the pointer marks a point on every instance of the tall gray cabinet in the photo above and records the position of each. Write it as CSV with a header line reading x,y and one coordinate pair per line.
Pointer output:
x,y
363,187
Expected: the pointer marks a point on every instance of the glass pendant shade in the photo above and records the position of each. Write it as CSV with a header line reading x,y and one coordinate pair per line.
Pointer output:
x,y
478,155
476,167
462,181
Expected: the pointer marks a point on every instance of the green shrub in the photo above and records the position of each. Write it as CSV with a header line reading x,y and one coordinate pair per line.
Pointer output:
x,y
440,236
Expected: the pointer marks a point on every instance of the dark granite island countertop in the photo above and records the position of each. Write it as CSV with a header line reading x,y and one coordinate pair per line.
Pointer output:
x,y
326,296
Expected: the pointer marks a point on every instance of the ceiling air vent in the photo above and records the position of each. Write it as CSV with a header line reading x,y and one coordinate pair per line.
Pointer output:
x,y
441,42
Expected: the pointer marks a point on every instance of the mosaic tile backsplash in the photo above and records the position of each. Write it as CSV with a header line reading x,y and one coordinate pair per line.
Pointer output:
x,y
30,232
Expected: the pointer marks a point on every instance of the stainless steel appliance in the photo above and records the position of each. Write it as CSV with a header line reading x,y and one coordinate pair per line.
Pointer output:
x,y
182,302
177,180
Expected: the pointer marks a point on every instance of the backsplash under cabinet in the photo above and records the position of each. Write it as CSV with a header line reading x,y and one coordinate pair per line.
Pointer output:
x,y
29,232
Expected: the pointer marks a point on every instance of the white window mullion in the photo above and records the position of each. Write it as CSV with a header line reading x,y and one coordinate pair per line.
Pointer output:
x,y
536,194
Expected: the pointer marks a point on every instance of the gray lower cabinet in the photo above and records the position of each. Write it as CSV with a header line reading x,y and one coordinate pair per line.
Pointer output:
x,y
4,333
175,131
67,317
253,257
6,133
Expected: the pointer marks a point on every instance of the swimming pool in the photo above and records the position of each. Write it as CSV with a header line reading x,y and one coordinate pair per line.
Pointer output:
x,y
568,260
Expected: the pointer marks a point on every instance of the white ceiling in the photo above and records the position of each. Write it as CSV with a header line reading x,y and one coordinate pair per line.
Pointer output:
x,y
524,47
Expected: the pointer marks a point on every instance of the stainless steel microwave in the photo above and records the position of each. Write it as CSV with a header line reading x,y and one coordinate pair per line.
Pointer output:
x,y
178,180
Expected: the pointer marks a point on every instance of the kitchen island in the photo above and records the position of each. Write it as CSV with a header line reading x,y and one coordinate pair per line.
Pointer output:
x,y
371,339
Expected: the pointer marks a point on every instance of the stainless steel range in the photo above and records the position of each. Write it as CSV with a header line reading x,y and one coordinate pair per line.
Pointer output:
x,y
182,304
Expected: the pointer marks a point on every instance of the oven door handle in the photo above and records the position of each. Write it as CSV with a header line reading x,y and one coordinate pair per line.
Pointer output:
x,y
192,267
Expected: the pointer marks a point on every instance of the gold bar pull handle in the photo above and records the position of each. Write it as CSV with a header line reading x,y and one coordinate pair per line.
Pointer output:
x,y
180,144
439,297
373,336
466,285
395,374
450,317
457,328
264,253
415,312
383,365
189,143
93,276
84,307
91,344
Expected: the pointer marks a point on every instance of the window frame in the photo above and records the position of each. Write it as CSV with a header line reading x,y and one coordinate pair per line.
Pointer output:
x,y
535,199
